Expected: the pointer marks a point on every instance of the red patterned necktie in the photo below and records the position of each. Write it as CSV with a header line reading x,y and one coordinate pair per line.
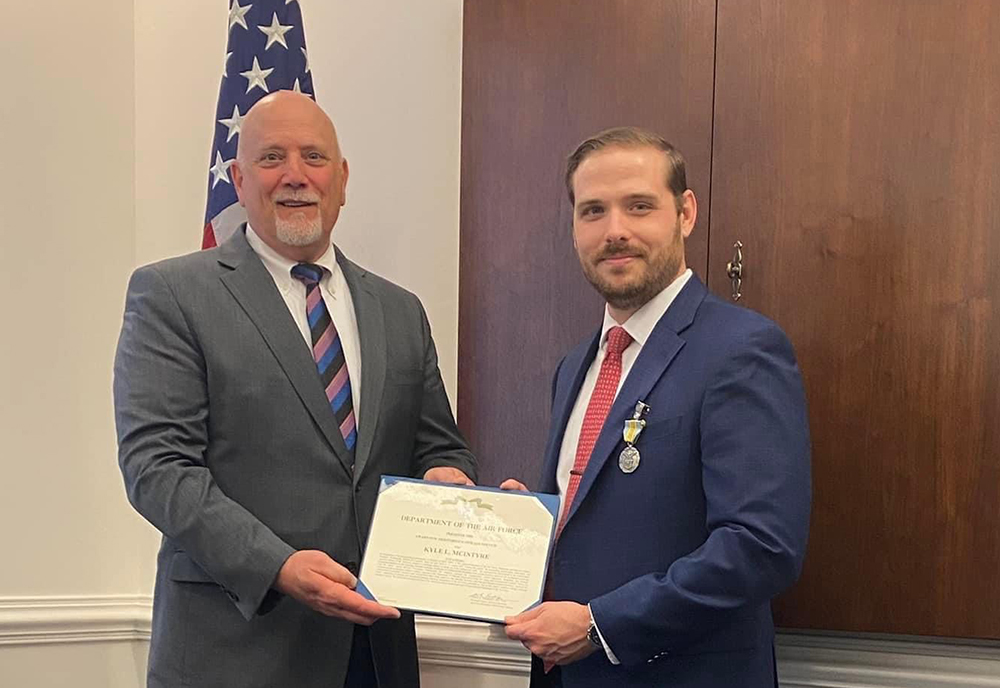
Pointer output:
x,y
597,411
328,352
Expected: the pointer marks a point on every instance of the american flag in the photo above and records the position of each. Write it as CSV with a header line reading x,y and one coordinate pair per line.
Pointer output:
x,y
266,52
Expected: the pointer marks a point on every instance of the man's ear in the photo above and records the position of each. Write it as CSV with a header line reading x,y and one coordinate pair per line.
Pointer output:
x,y
237,175
688,212
343,184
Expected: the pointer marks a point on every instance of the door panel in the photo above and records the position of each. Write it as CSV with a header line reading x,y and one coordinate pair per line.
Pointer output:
x,y
856,156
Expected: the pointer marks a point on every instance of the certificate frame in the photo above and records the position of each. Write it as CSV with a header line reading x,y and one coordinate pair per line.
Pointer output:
x,y
383,536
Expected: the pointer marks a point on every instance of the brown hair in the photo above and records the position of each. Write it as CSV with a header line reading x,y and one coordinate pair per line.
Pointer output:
x,y
630,137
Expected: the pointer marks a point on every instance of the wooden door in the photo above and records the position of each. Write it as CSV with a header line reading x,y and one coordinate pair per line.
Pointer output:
x,y
538,77
857,157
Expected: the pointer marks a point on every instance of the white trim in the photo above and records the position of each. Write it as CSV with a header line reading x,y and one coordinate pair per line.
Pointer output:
x,y
827,660
470,645
805,660
42,620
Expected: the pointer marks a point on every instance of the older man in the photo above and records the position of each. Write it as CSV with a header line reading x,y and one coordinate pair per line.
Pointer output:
x,y
679,444
261,389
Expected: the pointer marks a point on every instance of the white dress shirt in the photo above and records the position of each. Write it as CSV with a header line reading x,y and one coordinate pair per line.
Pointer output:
x,y
336,295
639,326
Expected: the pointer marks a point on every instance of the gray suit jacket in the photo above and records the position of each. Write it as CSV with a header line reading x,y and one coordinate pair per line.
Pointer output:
x,y
228,446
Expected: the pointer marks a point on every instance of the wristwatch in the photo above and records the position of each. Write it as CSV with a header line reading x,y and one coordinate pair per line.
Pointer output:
x,y
592,634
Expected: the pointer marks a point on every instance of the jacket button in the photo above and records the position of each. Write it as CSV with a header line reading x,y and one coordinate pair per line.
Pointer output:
x,y
352,566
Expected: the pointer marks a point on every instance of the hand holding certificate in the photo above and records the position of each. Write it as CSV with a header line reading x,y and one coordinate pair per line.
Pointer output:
x,y
468,552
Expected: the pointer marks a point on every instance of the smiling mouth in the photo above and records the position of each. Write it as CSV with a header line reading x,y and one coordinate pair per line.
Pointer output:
x,y
618,258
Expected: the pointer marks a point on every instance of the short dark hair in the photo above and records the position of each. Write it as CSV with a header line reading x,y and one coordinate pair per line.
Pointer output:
x,y
630,137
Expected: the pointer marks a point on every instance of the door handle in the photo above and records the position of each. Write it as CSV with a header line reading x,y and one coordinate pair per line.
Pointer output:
x,y
734,270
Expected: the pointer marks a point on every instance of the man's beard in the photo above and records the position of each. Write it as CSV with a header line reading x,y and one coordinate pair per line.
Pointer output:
x,y
660,270
299,230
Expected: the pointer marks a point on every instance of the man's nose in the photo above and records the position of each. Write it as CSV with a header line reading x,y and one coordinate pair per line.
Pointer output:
x,y
617,226
294,172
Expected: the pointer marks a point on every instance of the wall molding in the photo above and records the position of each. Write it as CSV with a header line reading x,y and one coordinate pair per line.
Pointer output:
x,y
470,645
840,660
805,659
80,619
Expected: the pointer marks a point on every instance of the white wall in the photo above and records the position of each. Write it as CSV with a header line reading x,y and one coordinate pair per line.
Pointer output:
x,y
106,118
66,247
389,73
179,55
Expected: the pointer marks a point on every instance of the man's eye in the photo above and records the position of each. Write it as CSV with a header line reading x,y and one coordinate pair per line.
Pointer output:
x,y
271,157
641,206
592,210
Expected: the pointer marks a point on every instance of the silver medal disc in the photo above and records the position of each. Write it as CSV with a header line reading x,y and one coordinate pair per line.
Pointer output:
x,y
628,460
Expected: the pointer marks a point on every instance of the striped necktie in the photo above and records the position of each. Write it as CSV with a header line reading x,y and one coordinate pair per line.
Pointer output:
x,y
328,352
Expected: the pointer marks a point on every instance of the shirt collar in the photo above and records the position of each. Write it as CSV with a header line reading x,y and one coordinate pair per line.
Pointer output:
x,y
280,267
641,323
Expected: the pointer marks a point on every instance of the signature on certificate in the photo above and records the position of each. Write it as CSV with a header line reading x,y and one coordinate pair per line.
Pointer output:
x,y
489,598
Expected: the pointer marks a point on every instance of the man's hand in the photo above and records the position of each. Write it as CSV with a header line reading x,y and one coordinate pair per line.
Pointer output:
x,y
317,581
446,474
554,631
511,484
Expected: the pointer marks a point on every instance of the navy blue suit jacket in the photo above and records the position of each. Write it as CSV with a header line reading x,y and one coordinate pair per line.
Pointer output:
x,y
680,559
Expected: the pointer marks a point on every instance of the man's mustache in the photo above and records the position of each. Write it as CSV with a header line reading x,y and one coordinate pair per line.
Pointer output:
x,y
304,197
618,250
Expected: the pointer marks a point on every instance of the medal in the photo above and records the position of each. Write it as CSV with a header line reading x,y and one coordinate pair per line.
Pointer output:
x,y
629,459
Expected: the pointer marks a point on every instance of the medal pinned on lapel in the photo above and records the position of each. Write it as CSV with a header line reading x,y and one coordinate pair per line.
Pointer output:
x,y
629,459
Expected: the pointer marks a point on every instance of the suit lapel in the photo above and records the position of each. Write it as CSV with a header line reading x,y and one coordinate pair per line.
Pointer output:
x,y
371,332
576,363
660,349
253,288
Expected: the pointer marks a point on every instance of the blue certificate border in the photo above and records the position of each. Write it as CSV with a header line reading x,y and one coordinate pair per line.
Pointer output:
x,y
549,501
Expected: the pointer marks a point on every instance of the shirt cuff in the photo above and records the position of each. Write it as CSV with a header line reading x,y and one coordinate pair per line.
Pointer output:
x,y
604,643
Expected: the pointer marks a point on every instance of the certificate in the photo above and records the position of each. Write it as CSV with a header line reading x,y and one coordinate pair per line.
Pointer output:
x,y
468,552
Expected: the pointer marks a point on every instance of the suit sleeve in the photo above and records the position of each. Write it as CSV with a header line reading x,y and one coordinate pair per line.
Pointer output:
x,y
438,439
756,480
162,418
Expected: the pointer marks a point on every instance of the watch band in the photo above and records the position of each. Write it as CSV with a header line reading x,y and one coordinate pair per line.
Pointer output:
x,y
593,636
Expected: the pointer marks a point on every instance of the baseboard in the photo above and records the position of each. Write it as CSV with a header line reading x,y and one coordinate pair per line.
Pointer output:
x,y
805,660
470,645
835,660
44,620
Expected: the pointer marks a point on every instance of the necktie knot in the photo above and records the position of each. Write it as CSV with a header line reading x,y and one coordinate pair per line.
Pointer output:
x,y
618,341
308,273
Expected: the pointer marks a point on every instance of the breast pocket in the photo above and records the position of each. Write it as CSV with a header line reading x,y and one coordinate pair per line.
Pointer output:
x,y
660,429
